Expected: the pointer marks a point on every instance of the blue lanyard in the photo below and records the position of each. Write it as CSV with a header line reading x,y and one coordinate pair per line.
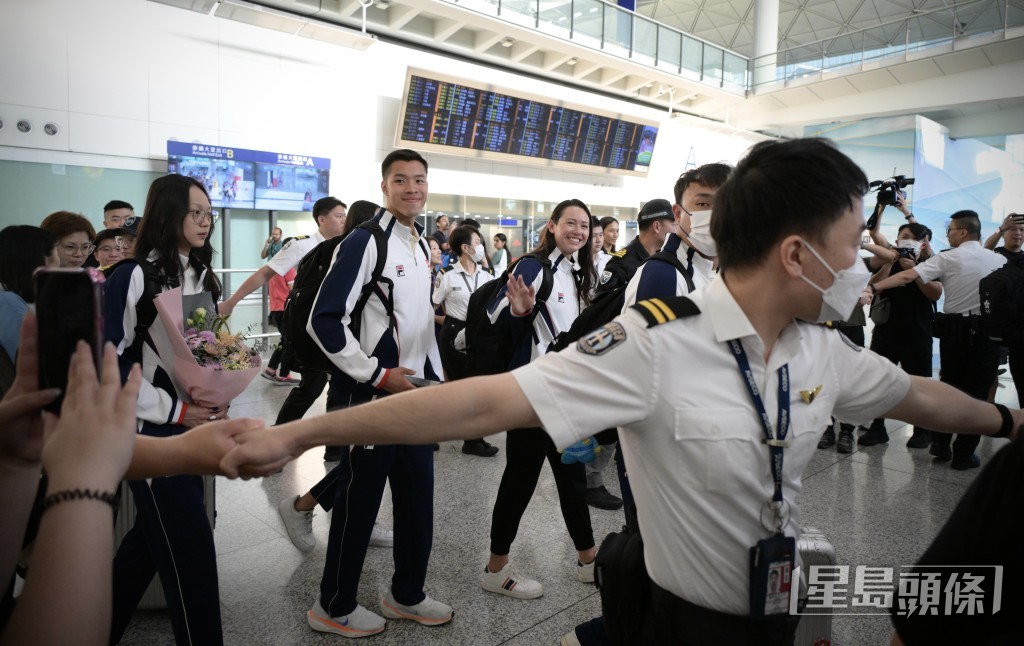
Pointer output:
x,y
775,445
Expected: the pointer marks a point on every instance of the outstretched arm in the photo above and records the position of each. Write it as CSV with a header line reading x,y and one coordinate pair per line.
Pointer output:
x,y
933,404
477,407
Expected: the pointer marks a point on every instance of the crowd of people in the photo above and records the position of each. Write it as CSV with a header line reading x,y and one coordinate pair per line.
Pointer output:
x,y
736,301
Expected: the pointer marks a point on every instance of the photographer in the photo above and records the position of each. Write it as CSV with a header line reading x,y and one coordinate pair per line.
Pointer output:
x,y
1012,233
968,358
903,317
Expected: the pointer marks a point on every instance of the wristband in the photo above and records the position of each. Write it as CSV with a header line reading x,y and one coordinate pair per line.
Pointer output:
x,y
1007,427
80,494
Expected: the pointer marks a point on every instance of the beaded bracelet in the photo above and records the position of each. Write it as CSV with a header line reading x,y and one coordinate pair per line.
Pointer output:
x,y
80,494
1007,427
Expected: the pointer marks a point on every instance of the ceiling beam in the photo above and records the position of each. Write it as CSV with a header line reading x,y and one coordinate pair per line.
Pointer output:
x,y
445,28
399,16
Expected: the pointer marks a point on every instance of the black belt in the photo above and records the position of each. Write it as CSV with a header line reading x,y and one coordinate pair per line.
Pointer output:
x,y
692,624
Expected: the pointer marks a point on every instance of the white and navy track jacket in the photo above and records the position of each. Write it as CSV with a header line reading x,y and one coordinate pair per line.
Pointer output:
x,y
366,361
555,315
662,280
158,401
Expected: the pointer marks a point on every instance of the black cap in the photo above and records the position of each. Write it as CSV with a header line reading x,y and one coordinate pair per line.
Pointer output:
x,y
656,209
131,225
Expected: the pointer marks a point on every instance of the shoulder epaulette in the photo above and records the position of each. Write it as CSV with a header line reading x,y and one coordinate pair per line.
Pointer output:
x,y
445,270
299,237
620,253
664,310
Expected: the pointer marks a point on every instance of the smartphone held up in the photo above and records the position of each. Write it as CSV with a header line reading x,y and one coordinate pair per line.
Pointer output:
x,y
69,309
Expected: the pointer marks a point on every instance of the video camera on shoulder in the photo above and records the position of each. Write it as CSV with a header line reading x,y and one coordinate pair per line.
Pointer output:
x,y
890,191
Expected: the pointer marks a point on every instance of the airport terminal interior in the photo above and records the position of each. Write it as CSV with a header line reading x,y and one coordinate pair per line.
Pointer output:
x,y
274,104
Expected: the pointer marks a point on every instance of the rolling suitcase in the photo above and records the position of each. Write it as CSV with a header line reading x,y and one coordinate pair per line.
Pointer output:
x,y
153,599
815,549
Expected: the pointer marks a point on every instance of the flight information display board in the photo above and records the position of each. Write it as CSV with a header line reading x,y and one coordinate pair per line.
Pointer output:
x,y
446,115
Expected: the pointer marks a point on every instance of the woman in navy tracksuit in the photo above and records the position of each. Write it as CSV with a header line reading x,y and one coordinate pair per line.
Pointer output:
x,y
565,242
172,535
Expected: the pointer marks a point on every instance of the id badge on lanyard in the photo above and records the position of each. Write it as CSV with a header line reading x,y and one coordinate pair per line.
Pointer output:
x,y
772,559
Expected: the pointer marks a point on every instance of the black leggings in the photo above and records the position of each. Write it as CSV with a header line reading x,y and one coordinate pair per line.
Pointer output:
x,y
525,451
456,365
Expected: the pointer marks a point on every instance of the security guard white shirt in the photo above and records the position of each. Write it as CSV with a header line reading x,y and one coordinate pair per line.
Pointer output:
x,y
691,437
293,252
960,270
454,285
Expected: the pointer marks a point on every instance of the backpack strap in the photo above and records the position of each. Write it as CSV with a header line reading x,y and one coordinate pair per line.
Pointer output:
x,y
153,282
664,310
673,259
380,237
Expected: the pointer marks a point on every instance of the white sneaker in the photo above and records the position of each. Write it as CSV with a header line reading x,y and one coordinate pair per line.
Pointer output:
x,y
381,537
298,523
585,573
511,584
358,623
427,612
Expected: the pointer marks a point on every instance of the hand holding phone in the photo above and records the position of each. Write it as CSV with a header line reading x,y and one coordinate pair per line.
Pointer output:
x,y
68,310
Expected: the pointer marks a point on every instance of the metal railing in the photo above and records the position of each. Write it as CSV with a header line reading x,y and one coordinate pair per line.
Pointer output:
x,y
609,28
264,303
940,28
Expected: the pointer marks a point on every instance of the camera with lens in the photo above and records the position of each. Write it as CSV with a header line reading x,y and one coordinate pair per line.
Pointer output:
x,y
906,252
889,189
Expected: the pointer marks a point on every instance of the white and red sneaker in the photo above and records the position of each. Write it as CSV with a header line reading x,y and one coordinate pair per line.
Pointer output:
x,y
511,584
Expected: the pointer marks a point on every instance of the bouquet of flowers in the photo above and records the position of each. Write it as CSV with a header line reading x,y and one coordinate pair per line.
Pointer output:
x,y
208,364
214,346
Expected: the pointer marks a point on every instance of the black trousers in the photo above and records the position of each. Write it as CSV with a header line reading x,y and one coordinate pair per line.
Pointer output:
x,y
310,387
913,353
525,451
172,537
282,355
969,363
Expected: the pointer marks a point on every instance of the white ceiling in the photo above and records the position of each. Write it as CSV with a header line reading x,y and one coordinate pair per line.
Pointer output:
x,y
973,85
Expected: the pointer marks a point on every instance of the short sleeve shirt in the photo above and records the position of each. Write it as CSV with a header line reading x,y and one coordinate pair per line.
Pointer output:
x,y
293,252
960,270
691,438
454,286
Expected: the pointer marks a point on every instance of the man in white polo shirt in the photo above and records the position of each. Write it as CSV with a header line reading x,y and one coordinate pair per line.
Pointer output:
x,y
720,397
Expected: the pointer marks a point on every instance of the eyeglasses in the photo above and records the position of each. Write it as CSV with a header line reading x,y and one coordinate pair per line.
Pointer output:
x,y
948,229
108,248
81,249
199,216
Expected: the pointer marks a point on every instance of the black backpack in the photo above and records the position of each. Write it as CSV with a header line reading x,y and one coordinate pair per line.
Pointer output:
x,y
609,304
309,275
153,282
490,347
1002,303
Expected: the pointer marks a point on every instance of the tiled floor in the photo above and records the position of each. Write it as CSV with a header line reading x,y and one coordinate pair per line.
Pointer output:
x,y
879,506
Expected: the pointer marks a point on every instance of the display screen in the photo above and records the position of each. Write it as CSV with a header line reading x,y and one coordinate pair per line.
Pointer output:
x,y
252,179
491,124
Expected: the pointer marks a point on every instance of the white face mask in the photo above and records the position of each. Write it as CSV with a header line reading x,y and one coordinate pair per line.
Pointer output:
x,y
838,301
910,244
700,233
478,253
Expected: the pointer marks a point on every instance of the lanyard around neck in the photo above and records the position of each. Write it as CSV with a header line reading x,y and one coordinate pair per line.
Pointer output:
x,y
476,280
775,444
